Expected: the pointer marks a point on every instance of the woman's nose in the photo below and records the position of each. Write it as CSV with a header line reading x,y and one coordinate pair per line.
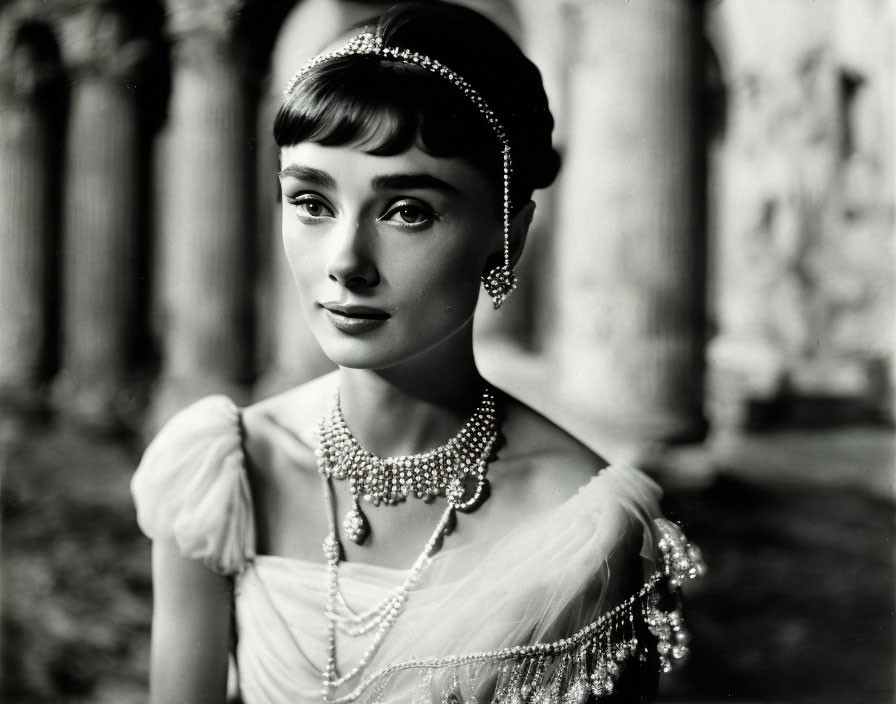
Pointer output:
x,y
351,263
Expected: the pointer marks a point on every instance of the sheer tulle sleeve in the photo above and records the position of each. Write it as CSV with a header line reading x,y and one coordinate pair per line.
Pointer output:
x,y
192,485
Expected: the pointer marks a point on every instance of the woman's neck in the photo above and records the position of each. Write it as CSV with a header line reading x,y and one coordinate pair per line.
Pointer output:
x,y
411,408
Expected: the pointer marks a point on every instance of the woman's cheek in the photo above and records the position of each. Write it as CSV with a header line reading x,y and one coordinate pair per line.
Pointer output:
x,y
453,293
303,272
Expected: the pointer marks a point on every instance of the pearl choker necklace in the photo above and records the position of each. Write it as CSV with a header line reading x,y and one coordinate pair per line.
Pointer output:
x,y
443,471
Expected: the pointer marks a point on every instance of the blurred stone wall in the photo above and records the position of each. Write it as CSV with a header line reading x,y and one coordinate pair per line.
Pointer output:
x,y
802,202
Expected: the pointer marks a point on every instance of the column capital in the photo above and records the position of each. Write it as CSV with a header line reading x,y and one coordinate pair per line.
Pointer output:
x,y
206,32
30,67
110,45
218,17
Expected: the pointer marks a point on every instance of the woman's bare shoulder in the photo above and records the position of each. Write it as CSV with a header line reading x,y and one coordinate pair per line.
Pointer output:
x,y
286,423
552,461
280,439
295,409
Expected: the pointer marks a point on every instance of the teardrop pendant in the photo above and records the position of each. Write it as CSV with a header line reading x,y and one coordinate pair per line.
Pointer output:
x,y
355,524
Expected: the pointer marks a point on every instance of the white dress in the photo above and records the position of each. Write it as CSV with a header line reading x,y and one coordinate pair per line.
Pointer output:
x,y
540,614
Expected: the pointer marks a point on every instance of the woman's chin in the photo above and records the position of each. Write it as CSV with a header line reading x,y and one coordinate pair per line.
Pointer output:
x,y
355,353
390,344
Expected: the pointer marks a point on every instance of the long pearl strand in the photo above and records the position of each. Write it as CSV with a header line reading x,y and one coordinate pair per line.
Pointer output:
x,y
383,616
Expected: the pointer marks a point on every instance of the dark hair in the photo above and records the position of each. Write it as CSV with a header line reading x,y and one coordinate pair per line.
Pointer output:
x,y
385,106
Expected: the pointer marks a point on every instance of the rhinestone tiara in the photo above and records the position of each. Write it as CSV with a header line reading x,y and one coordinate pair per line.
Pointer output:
x,y
500,281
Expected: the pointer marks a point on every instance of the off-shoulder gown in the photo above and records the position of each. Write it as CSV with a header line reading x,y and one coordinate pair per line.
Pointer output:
x,y
539,614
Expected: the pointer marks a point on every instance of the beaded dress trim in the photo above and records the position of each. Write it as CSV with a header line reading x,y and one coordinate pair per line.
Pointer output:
x,y
570,670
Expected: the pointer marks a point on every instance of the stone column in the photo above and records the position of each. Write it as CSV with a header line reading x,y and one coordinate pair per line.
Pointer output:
x,y
205,267
630,277
29,141
100,226
891,24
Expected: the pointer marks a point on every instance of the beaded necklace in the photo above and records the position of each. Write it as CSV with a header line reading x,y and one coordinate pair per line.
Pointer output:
x,y
442,471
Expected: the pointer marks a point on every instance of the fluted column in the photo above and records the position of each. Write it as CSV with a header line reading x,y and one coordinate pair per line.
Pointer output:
x,y
29,92
205,261
100,228
891,22
632,241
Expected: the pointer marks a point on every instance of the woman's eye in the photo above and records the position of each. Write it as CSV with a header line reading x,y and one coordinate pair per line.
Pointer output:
x,y
409,214
311,207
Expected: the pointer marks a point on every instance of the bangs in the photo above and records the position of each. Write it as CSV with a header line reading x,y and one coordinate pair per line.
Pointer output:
x,y
384,108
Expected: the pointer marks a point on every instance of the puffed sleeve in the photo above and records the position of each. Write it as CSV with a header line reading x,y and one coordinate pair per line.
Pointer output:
x,y
192,485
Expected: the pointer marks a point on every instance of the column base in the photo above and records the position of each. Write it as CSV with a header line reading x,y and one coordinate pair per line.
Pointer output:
x,y
629,439
172,394
95,404
279,378
23,401
658,427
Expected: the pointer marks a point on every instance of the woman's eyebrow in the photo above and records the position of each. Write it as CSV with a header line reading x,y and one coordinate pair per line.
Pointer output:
x,y
400,182
309,175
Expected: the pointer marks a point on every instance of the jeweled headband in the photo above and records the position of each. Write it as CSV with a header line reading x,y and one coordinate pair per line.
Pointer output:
x,y
501,280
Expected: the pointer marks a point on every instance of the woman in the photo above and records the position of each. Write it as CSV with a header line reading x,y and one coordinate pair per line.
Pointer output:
x,y
409,155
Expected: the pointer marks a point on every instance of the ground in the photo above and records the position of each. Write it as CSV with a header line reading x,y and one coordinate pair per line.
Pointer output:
x,y
795,526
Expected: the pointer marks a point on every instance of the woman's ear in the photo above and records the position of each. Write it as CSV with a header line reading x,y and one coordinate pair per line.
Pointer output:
x,y
519,229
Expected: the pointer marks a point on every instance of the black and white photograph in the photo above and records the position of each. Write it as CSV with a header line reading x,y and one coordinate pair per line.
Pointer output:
x,y
447,352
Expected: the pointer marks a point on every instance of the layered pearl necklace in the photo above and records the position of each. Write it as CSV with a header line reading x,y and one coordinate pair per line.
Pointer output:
x,y
439,472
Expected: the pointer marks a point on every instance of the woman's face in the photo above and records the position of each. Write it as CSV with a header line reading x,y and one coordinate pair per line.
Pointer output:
x,y
386,251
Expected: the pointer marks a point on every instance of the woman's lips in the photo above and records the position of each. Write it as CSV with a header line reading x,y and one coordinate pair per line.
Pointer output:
x,y
354,319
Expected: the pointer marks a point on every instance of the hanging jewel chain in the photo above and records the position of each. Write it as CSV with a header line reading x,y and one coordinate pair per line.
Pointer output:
x,y
442,471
